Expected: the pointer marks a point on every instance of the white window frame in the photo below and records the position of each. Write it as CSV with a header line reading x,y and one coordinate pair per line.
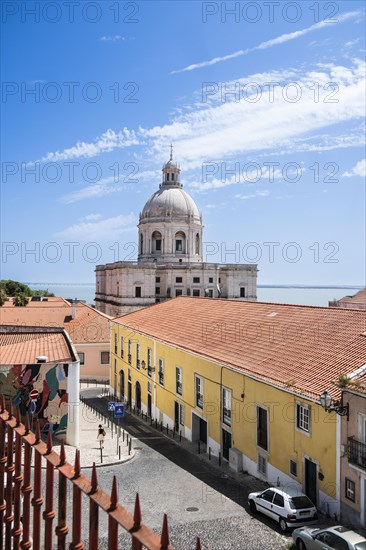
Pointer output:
x,y
227,400
149,361
303,417
161,372
138,363
129,352
82,360
178,380
199,388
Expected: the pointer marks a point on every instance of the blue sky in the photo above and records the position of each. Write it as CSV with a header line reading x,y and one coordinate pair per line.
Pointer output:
x,y
265,110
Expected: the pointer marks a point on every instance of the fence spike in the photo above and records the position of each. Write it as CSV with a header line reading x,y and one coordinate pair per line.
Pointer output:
x,y
164,541
17,416
137,514
38,432
49,442
10,410
77,464
198,546
94,479
27,425
62,453
114,495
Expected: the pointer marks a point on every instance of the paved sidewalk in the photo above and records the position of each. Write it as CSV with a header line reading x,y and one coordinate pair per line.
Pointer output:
x,y
89,446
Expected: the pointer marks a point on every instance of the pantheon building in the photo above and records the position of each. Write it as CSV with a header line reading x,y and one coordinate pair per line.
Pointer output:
x,y
170,259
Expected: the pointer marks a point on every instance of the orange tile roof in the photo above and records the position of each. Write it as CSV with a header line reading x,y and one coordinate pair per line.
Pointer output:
x,y
302,348
19,347
358,299
89,325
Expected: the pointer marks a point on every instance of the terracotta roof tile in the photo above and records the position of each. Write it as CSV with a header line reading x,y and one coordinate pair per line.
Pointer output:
x,y
299,347
21,348
89,325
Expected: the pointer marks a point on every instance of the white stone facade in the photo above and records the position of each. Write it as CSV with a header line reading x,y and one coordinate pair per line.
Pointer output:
x,y
170,258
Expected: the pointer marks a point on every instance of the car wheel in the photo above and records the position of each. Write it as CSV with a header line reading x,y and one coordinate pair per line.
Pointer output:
x,y
252,507
283,525
300,545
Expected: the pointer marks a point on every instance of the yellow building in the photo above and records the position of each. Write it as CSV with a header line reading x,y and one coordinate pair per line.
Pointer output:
x,y
245,378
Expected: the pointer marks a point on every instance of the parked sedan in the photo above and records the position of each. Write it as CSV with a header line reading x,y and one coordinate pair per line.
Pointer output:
x,y
287,506
338,537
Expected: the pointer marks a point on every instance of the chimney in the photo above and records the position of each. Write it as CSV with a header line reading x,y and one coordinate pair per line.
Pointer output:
x,y
73,308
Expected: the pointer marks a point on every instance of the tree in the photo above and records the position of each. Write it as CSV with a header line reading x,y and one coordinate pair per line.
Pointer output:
x,y
14,288
3,297
20,300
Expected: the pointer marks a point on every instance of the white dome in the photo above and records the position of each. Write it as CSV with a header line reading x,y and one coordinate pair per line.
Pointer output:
x,y
170,203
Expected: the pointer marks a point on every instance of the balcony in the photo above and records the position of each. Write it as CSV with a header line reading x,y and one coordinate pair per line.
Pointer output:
x,y
357,453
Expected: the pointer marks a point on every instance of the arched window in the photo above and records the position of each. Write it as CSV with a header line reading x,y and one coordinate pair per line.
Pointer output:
x,y
156,242
180,242
141,244
197,243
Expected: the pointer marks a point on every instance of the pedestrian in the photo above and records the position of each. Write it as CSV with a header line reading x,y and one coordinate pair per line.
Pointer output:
x,y
101,435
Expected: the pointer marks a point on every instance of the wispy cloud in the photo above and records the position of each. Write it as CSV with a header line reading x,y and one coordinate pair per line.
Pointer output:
x,y
253,195
358,170
108,141
268,43
113,38
101,229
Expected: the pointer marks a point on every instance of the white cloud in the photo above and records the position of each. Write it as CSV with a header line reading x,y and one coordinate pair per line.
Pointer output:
x,y
101,229
269,43
91,218
358,170
107,142
113,38
253,195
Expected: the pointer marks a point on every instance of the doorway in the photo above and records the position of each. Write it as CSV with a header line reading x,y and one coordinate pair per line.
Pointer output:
x,y
199,429
311,480
138,395
226,444
129,394
122,384
176,416
149,405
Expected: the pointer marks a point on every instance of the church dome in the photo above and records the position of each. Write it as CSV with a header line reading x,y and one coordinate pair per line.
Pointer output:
x,y
170,203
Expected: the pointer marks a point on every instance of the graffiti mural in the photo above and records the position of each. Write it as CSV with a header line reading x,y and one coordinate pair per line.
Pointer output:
x,y
50,407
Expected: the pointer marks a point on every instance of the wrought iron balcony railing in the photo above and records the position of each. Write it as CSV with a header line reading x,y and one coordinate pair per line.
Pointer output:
x,y
357,453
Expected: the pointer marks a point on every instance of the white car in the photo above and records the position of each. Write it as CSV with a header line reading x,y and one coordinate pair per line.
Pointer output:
x,y
307,538
287,506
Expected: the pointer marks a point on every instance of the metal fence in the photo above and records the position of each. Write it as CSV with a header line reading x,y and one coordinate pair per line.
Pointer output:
x,y
23,525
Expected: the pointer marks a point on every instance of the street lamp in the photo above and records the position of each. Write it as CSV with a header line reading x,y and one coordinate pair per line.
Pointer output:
x,y
329,405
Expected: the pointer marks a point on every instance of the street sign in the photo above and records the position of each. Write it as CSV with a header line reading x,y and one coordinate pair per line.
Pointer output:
x,y
111,405
119,410
34,395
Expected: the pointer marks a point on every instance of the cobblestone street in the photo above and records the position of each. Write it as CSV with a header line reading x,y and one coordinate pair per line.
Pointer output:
x,y
200,499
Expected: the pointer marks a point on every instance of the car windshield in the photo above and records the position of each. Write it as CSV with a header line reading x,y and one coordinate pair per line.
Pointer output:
x,y
360,546
297,503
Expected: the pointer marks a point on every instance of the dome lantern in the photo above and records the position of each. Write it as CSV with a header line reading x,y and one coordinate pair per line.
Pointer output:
x,y
171,172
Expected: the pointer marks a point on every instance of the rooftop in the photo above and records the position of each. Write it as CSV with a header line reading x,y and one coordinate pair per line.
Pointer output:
x,y
303,349
89,325
22,345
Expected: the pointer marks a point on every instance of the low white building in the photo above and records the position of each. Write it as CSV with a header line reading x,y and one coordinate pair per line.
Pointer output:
x,y
170,258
